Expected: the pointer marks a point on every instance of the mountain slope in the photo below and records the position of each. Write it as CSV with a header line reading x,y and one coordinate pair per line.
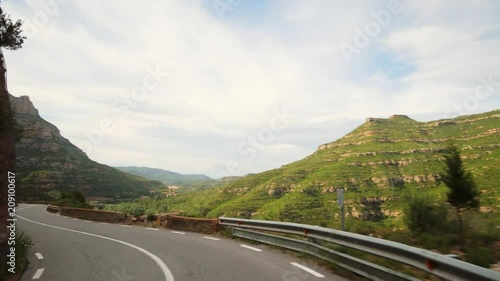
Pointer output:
x,y
376,164
46,162
167,177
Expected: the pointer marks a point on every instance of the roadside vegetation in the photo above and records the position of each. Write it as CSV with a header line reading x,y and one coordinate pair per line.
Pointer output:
x,y
467,233
23,245
73,199
139,207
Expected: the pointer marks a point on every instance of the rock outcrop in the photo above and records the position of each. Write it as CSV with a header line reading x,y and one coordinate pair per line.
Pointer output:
x,y
399,116
23,105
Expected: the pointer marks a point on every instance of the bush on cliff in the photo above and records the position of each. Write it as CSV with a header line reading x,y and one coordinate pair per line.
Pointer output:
x,y
74,199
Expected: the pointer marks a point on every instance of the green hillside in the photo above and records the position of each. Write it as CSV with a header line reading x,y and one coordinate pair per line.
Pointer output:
x,y
377,164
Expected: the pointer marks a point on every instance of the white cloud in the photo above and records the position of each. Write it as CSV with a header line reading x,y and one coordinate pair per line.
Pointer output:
x,y
227,77
450,60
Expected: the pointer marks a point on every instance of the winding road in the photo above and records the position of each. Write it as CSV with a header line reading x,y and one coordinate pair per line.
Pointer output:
x,y
68,249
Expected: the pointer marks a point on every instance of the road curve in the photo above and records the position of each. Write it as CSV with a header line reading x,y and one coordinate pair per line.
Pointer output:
x,y
76,250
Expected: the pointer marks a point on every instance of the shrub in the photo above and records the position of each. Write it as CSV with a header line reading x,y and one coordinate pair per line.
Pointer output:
x,y
74,199
441,242
480,256
361,227
136,210
23,246
423,214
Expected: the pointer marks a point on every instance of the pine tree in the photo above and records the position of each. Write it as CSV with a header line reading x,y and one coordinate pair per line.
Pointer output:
x,y
462,193
10,32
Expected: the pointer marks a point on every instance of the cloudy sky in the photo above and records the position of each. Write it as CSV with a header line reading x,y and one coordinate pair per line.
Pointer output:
x,y
230,87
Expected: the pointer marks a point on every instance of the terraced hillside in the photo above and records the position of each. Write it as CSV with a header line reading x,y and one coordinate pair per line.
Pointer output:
x,y
48,163
377,164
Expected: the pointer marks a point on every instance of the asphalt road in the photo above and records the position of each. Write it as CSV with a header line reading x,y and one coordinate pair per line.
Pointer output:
x,y
67,249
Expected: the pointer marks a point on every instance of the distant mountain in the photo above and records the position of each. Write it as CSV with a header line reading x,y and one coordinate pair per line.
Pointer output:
x,y
206,184
48,163
376,164
167,177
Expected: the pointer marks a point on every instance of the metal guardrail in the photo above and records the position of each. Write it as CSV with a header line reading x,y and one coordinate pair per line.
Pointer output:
x,y
359,266
439,265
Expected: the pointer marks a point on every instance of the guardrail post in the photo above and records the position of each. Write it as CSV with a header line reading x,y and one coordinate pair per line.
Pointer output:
x,y
430,264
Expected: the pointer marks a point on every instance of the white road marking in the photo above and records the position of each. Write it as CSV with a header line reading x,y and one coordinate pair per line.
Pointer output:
x,y
104,223
87,221
75,219
166,271
178,232
38,273
124,225
251,248
19,209
150,228
307,269
65,217
211,238
39,256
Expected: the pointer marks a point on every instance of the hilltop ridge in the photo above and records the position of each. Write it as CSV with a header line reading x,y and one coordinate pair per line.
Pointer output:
x,y
392,117
376,163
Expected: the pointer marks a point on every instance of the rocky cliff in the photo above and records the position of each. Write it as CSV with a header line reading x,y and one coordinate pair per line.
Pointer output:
x,y
48,163
7,158
22,105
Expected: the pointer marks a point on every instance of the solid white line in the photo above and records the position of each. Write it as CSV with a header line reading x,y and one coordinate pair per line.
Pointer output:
x,y
19,209
251,248
178,232
307,269
166,271
39,256
38,273
75,219
124,225
211,238
104,223
150,228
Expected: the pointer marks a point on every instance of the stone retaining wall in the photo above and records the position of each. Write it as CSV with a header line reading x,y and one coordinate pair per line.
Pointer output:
x,y
93,215
192,224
